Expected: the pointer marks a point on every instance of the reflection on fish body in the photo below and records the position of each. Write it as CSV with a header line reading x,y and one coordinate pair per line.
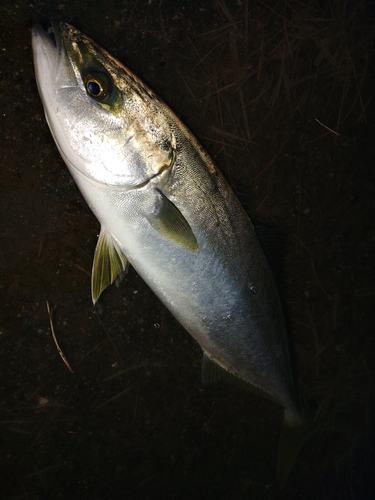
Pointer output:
x,y
165,209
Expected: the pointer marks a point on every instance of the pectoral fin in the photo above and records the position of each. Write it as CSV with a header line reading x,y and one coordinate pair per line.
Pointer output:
x,y
109,263
169,222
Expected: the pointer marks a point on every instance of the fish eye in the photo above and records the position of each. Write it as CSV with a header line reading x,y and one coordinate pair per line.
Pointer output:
x,y
94,88
98,86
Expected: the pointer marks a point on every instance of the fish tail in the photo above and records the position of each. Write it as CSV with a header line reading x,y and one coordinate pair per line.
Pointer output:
x,y
294,434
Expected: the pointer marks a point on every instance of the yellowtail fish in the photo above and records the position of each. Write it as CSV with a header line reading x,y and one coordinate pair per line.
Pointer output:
x,y
165,208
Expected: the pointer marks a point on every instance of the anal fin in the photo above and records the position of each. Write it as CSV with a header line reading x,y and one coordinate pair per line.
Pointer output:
x,y
110,263
212,371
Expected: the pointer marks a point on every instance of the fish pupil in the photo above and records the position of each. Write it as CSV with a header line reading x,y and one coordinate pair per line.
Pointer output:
x,y
94,88
99,84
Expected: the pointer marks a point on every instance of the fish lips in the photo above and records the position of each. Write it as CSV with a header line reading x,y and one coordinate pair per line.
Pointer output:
x,y
51,62
51,31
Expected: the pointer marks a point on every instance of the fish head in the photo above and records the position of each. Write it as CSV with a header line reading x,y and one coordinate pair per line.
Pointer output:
x,y
106,123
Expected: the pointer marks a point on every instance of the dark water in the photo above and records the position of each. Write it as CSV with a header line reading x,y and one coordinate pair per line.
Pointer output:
x,y
133,420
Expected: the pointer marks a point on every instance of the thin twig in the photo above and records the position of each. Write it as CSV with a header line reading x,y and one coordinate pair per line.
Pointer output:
x,y
110,339
136,405
319,283
135,367
55,339
116,396
325,126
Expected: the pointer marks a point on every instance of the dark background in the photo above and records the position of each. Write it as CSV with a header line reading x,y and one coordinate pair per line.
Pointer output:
x,y
250,79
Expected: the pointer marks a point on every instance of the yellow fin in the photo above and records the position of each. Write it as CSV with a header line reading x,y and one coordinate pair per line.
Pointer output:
x,y
171,224
109,262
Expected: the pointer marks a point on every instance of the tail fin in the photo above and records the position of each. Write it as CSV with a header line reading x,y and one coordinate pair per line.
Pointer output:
x,y
294,433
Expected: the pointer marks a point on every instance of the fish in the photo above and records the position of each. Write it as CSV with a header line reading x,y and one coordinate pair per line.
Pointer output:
x,y
165,208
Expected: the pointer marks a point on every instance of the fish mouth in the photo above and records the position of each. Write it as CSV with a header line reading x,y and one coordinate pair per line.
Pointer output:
x,y
52,29
54,74
53,68
46,44
47,36
53,32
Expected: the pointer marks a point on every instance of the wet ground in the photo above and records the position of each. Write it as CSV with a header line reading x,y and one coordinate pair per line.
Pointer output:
x,y
258,83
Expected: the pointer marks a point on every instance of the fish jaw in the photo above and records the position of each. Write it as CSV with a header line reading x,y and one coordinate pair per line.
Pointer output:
x,y
52,75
